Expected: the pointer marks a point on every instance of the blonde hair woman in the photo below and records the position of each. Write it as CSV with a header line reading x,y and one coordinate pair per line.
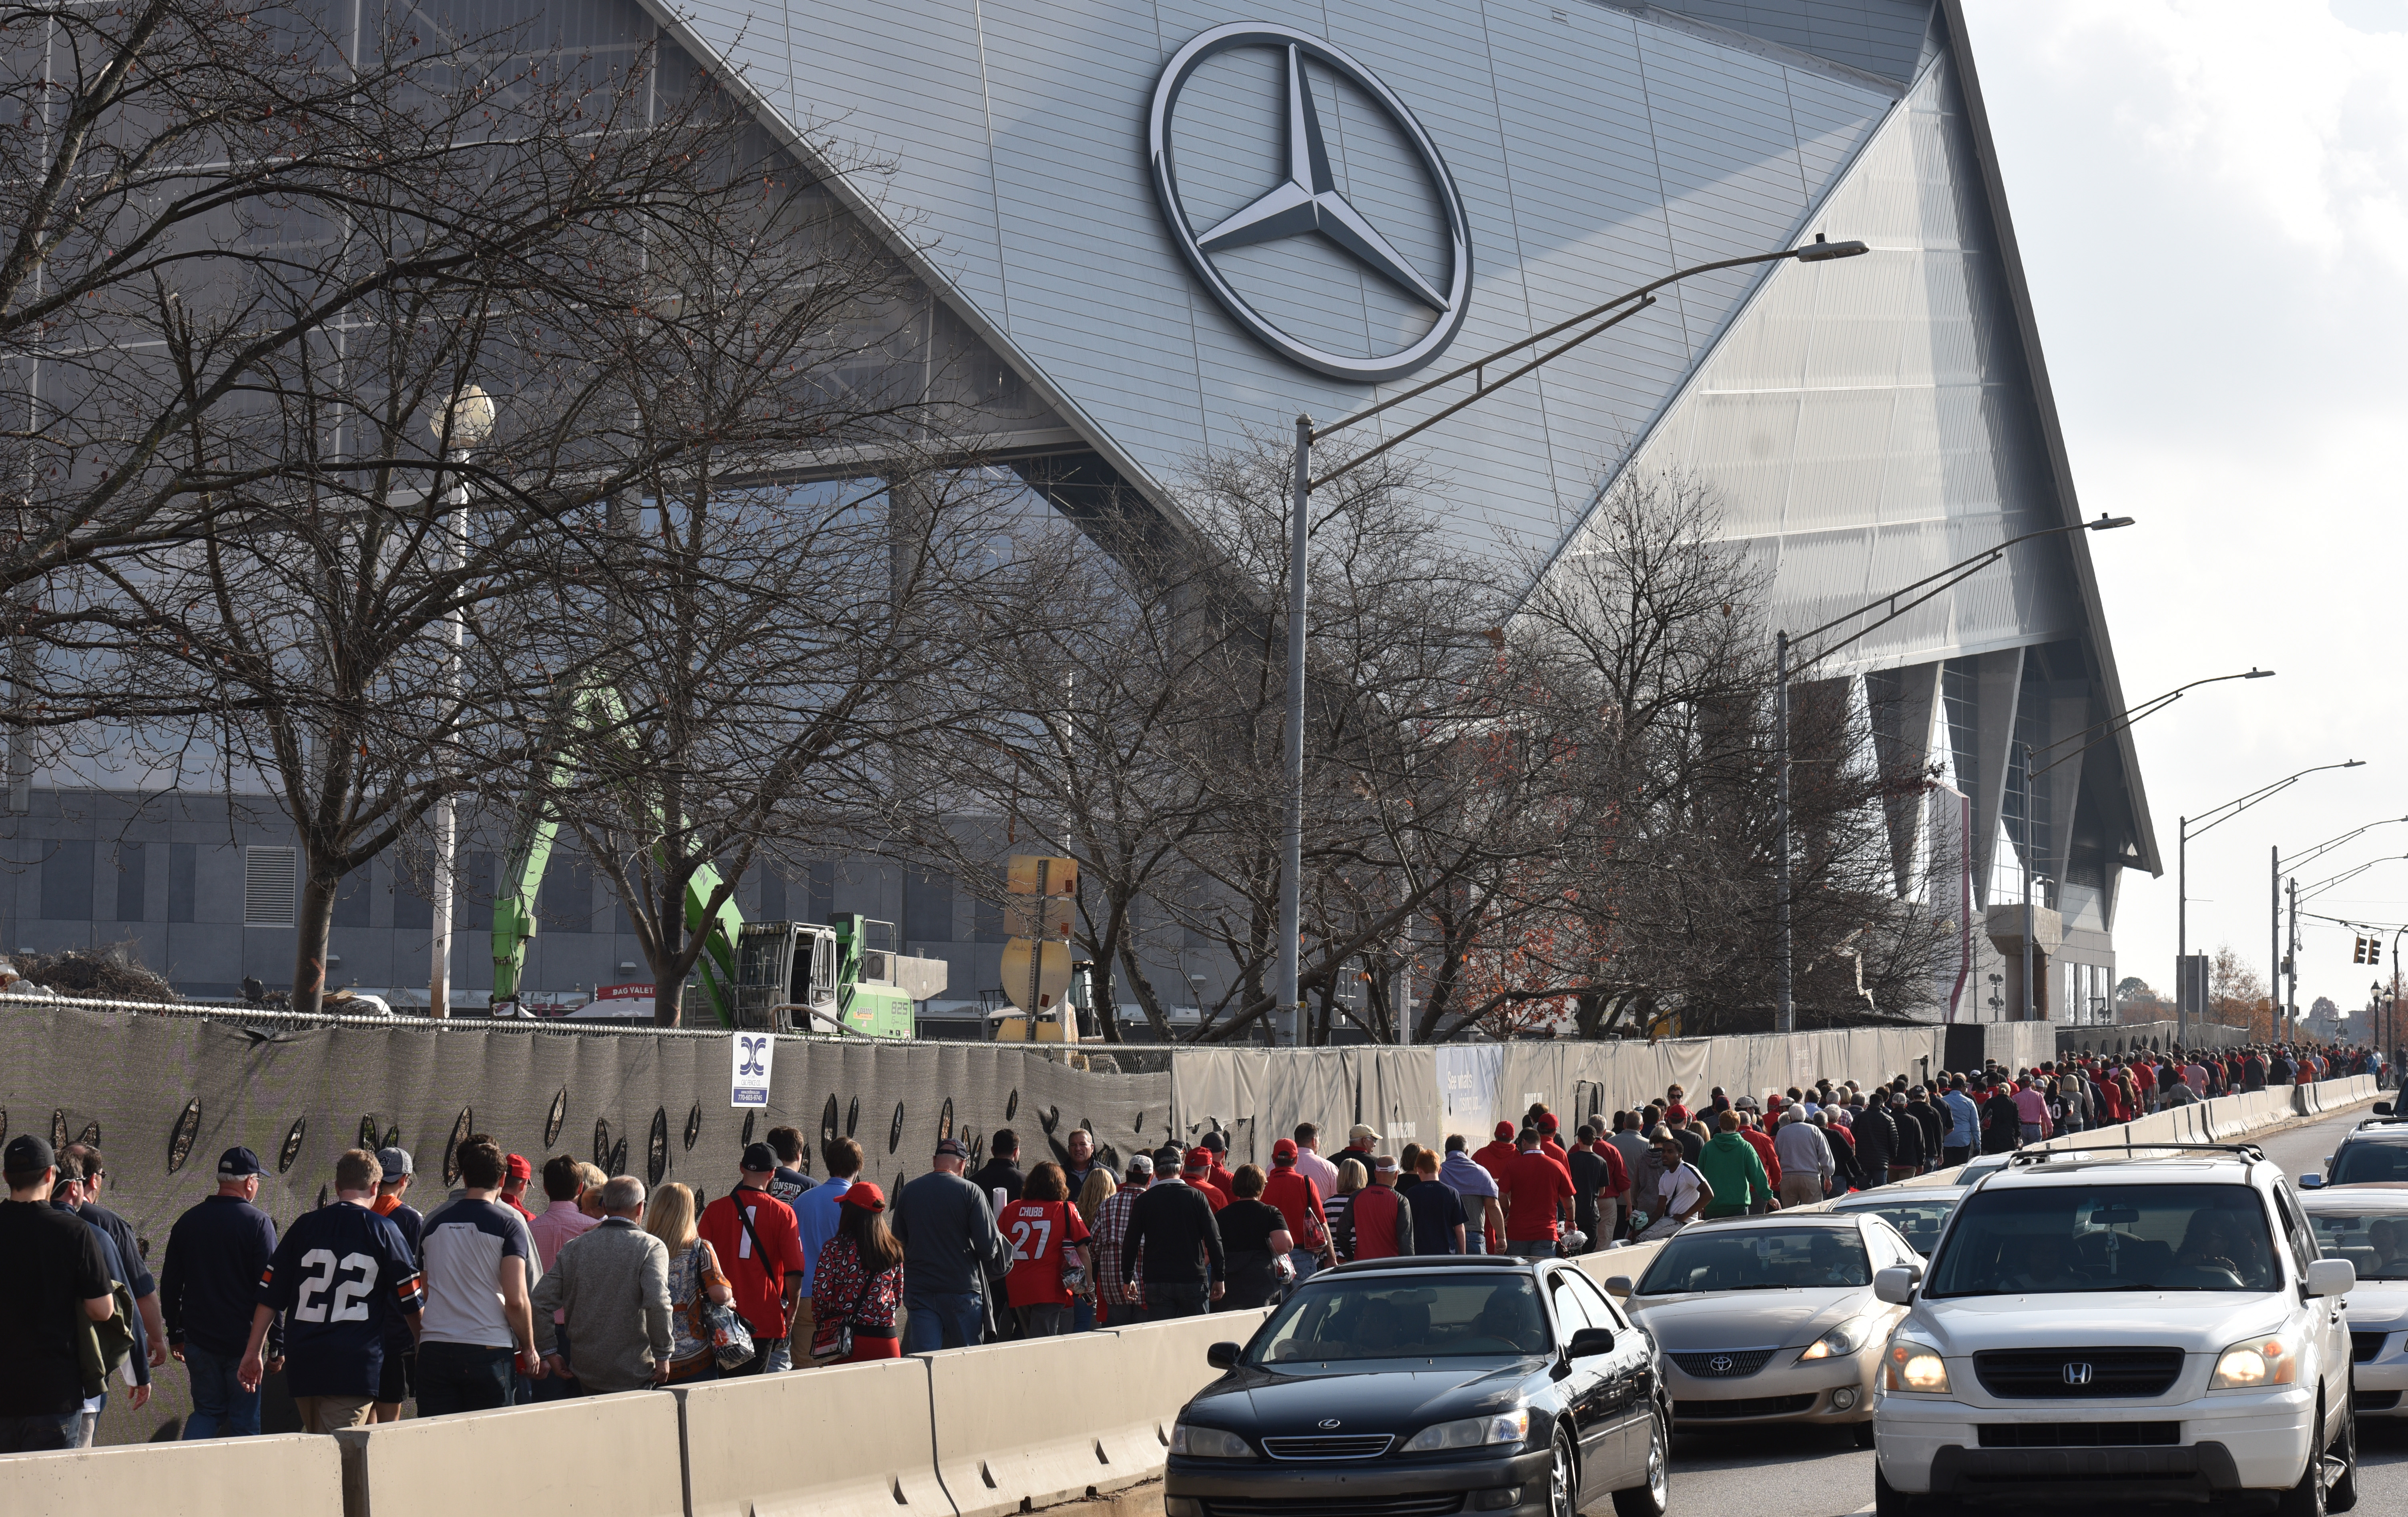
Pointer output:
x,y
695,1276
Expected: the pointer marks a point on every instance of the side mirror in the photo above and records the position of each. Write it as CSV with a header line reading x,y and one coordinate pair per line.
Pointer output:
x,y
1221,1355
2311,1181
2332,1277
1619,1287
1591,1342
2383,1109
1896,1284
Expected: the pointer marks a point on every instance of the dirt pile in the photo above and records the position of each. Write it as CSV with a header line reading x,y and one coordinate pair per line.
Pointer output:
x,y
108,974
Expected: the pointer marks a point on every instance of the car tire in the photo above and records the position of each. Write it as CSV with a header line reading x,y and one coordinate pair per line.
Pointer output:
x,y
1655,1496
1563,1477
2311,1498
1862,1434
2341,1494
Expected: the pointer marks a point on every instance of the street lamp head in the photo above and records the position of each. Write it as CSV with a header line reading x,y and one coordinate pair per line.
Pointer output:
x,y
1822,251
467,420
2256,673
2107,523
2355,763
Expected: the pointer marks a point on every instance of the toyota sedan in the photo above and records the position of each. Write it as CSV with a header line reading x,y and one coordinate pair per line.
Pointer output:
x,y
1771,1319
1423,1387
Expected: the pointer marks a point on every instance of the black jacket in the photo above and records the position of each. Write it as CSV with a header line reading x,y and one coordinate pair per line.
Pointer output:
x,y
1876,1133
1908,1148
1935,1128
1002,1172
1176,1220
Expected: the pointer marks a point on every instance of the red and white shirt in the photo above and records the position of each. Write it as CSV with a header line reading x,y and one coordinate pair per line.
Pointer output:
x,y
1040,1233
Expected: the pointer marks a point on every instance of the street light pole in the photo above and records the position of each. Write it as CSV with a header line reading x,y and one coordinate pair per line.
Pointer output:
x,y
465,421
1606,316
1784,1011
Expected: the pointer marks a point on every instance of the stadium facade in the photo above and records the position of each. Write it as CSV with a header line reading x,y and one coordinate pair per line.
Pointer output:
x,y
1164,227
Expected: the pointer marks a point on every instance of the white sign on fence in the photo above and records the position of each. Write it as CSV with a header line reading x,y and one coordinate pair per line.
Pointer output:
x,y
747,1081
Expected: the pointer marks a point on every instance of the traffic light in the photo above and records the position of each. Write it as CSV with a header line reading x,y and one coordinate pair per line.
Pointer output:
x,y
2357,951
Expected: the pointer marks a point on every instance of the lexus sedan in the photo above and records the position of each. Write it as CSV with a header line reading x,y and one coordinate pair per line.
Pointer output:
x,y
1918,1212
2369,1227
1422,1386
1771,1319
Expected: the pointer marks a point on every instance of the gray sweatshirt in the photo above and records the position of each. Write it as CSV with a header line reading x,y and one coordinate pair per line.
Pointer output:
x,y
612,1283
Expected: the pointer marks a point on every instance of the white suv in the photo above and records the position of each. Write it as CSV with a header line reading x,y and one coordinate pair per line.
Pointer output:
x,y
2160,1318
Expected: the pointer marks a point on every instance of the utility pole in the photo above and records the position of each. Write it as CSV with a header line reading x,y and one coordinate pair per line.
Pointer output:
x,y
2292,1001
1785,1010
465,421
2182,929
2274,922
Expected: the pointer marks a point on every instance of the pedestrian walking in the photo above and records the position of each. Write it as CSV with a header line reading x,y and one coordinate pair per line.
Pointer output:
x,y
609,1293
561,1221
401,1338
69,1195
1439,1221
1100,1188
1964,1134
1352,1176
54,1278
1682,1196
1120,1298
753,1234
1806,1166
816,1215
1906,1141
1253,1236
1081,1148
517,1173
1378,1223
695,1283
1734,1171
1308,1162
1476,1188
1001,1171
1173,1235
950,1242
859,1280
477,1329
1298,1203
143,1285
1538,1194
208,1283
342,1278
1049,1253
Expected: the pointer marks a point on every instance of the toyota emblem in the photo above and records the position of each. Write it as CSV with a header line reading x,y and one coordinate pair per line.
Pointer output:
x,y
1327,1423
2077,1374
1720,1364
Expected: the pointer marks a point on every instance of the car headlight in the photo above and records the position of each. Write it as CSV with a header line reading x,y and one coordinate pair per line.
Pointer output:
x,y
1914,1367
1209,1443
2257,1362
1471,1432
1840,1341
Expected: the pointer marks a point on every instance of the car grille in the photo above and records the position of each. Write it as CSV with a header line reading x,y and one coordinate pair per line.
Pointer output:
x,y
1727,1364
1432,1504
1339,1446
2078,1374
2378,1400
1755,1406
2078,1435
2365,1346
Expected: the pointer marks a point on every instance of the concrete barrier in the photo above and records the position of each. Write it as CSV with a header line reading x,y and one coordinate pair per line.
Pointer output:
x,y
222,1477
596,1456
869,1449
1002,1433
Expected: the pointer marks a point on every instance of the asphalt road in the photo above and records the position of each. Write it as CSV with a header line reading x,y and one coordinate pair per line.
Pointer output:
x,y
1820,1474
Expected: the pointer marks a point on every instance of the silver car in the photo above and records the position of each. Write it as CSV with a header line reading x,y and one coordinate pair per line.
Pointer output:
x,y
2368,1226
1918,1212
1771,1319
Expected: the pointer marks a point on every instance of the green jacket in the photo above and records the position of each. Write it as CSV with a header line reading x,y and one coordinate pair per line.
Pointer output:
x,y
1731,1166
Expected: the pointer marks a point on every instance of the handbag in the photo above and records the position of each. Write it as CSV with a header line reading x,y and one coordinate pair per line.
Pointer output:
x,y
832,1341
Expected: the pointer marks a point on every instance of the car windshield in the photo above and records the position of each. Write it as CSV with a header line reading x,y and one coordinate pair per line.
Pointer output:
x,y
2370,1164
2067,1239
1758,1259
1920,1221
2375,1241
1387,1316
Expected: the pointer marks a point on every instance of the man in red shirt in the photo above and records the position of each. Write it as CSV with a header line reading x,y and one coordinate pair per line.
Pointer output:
x,y
1196,1170
1496,1155
1549,1144
1300,1202
759,1250
1379,1225
516,1172
1222,1179
1538,1194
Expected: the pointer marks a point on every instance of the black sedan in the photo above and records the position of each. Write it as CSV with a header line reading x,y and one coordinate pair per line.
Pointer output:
x,y
1425,1386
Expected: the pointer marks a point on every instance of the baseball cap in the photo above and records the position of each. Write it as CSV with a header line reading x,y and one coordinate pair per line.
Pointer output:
x,y
1504,1132
394,1163
1283,1151
236,1162
759,1159
1199,1162
1746,1103
1141,1163
947,1148
518,1169
1547,1122
865,1195
1215,1142
29,1154
1360,1131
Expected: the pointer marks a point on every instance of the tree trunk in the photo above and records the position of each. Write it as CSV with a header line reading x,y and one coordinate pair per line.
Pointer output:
x,y
315,921
669,998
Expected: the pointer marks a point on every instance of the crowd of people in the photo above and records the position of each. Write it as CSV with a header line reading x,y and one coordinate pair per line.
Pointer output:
x,y
366,1303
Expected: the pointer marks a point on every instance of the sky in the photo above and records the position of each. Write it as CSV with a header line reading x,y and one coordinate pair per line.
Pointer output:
x,y
2212,202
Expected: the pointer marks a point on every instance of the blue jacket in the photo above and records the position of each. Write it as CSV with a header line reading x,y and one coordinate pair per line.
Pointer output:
x,y
1965,1120
209,1281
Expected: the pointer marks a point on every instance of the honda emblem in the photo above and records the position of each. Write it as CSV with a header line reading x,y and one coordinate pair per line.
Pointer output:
x,y
2077,1374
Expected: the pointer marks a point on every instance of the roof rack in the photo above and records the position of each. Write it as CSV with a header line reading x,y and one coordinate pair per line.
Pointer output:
x,y
2249,1152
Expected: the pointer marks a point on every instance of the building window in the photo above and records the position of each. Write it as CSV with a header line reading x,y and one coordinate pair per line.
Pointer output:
x,y
67,882
928,907
183,870
133,880
270,876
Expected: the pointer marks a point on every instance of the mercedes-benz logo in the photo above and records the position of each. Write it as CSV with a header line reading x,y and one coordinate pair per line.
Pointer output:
x,y
1720,1364
2077,1374
1326,1423
1306,201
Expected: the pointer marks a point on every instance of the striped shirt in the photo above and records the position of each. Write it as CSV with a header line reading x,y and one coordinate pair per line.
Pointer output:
x,y
1111,1231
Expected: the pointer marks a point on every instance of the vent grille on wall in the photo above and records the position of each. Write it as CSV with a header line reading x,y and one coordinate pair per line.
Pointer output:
x,y
269,879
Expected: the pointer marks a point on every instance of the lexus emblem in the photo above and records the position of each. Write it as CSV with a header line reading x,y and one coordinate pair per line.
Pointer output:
x,y
1304,199
1720,1364
1327,1423
2077,1374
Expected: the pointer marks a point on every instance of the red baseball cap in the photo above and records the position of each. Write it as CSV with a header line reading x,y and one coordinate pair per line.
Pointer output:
x,y
1505,1132
1283,1151
1199,1162
1547,1122
865,1195
517,1168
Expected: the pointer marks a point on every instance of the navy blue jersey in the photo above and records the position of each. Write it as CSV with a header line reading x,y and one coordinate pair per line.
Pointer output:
x,y
341,1277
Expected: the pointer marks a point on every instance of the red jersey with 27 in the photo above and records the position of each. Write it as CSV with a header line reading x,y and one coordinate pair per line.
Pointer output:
x,y
1041,1234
